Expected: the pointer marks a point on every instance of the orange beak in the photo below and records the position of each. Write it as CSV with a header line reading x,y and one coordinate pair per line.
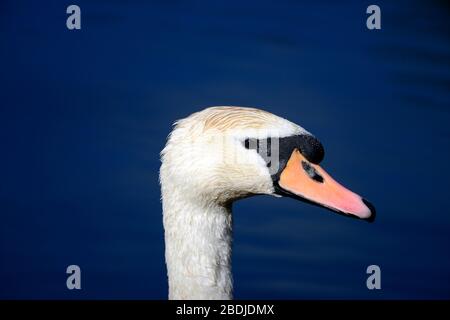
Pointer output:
x,y
309,181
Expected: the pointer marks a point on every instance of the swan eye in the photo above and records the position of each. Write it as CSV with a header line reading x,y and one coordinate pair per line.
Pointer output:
x,y
260,145
312,172
247,143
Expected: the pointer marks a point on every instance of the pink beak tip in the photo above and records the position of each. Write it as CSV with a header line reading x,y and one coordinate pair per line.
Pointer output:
x,y
372,211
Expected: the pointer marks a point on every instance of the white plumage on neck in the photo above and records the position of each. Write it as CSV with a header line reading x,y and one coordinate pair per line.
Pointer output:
x,y
198,248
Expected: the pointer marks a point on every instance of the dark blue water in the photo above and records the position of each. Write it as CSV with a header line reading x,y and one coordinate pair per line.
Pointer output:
x,y
84,114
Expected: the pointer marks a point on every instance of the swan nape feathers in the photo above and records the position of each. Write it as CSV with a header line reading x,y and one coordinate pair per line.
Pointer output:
x,y
219,155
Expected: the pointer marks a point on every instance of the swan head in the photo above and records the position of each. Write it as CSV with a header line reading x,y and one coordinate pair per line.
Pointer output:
x,y
222,154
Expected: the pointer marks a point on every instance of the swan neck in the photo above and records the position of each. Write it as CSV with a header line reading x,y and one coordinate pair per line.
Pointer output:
x,y
198,248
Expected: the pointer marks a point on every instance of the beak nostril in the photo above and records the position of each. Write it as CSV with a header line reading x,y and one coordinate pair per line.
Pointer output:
x,y
312,172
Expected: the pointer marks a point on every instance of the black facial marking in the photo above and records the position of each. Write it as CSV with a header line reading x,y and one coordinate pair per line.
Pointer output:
x,y
312,172
308,145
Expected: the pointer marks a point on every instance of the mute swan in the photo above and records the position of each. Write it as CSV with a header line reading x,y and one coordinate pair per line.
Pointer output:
x,y
219,155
